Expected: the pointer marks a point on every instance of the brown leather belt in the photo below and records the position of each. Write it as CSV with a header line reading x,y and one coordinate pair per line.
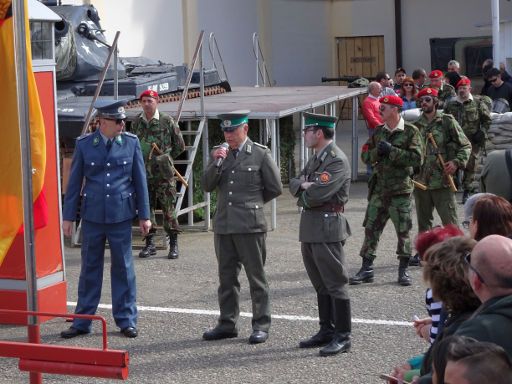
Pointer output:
x,y
328,207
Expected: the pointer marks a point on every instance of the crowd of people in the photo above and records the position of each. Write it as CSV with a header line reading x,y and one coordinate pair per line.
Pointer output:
x,y
118,176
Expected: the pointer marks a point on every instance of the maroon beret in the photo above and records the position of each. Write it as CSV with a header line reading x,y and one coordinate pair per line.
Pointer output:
x,y
392,100
427,92
149,93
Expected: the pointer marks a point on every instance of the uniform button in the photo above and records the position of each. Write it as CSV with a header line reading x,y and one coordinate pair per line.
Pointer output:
x,y
326,215
108,185
256,206
230,203
250,169
231,182
130,194
232,171
92,163
108,195
85,194
108,164
108,174
230,193
124,162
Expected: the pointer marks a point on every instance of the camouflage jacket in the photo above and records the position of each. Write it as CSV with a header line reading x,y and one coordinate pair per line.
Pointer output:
x,y
472,115
452,143
392,174
445,94
165,133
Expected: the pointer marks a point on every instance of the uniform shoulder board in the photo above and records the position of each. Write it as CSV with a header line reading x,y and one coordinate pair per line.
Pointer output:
x,y
129,134
83,136
333,154
260,145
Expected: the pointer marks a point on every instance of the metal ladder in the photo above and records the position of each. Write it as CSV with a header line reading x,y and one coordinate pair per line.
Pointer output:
x,y
261,66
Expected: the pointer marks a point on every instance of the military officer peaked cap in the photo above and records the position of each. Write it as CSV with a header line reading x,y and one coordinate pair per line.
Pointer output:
x,y
232,120
111,109
317,120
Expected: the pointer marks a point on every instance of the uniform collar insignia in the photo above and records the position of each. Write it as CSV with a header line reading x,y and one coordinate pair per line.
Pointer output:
x,y
248,148
96,141
119,140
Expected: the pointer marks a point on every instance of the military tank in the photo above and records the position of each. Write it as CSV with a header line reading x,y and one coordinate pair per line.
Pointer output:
x,y
81,51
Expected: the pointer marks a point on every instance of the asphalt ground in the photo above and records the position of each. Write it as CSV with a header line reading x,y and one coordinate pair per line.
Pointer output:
x,y
177,302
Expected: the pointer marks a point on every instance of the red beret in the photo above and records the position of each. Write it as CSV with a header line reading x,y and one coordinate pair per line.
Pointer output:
x,y
436,74
392,100
149,93
464,81
427,92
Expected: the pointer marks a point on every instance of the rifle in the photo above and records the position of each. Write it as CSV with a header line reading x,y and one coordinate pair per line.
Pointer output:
x,y
430,137
155,148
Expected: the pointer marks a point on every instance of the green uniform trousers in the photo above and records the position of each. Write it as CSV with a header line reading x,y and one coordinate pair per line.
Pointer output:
x,y
234,251
325,265
442,199
380,209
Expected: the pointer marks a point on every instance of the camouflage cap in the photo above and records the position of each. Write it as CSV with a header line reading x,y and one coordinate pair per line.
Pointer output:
x,y
111,109
232,120
317,120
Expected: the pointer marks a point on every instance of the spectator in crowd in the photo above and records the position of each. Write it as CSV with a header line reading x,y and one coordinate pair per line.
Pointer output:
x,y
408,93
370,107
496,176
487,214
400,75
445,92
469,361
385,81
452,78
454,66
419,76
498,89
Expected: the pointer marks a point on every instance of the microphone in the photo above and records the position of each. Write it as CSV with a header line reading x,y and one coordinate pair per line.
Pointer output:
x,y
220,160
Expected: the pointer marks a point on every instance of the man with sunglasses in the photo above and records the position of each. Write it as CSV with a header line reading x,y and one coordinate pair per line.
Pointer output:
x,y
393,151
155,128
498,89
454,147
322,190
108,172
474,117
490,275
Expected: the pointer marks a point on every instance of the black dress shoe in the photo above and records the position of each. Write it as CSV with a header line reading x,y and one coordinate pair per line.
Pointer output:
x,y
340,343
130,332
219,334
323,337
72,332
258,337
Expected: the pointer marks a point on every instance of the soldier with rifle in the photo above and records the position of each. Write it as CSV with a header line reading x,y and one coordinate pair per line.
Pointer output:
x,y
161,142
394,151
446,149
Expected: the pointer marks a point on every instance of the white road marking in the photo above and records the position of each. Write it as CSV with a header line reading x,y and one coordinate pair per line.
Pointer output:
x,y
248,314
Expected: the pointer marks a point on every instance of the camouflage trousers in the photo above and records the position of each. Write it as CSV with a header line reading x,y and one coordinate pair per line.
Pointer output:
x,y
469,171
442,199
379,210
164,194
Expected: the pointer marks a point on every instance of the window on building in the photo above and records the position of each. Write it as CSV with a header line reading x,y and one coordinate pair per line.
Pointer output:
x,y
41,40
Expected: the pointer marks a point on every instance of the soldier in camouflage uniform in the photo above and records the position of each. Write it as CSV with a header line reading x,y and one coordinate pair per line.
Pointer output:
x,y
445,92
394,151
322,190
154,127
454,147
473,115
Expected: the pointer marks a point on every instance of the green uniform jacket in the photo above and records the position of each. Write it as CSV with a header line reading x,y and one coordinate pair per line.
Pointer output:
x,y
163,132
472,115
330,174
243,186
452,143
392,174
445,94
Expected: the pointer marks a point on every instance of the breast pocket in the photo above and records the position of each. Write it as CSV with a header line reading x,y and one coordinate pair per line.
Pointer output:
x,y
93,165
250,174
126,165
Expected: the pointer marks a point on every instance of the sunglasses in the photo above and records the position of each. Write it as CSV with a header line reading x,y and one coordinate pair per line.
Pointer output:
x,y
493,80
120,121
467,259
408,85
426,99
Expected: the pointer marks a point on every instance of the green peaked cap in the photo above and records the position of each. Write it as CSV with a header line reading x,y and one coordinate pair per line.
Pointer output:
x,y
317,120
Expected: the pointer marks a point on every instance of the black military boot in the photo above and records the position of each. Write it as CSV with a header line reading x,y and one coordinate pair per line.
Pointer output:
x,y
326,331
403,277
173,246
465,196
414,261
149,249
342,328
365,274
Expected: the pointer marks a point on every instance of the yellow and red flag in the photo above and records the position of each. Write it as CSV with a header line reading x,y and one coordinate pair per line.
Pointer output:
x,y
11,200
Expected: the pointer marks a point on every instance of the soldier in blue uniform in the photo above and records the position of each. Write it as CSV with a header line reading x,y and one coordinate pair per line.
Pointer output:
x,y
108,172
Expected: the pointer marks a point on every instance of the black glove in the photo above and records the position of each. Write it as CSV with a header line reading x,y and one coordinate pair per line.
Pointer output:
x,y
383,148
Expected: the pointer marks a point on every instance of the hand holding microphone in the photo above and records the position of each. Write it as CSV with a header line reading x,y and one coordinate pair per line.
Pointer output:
x,y
220,154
